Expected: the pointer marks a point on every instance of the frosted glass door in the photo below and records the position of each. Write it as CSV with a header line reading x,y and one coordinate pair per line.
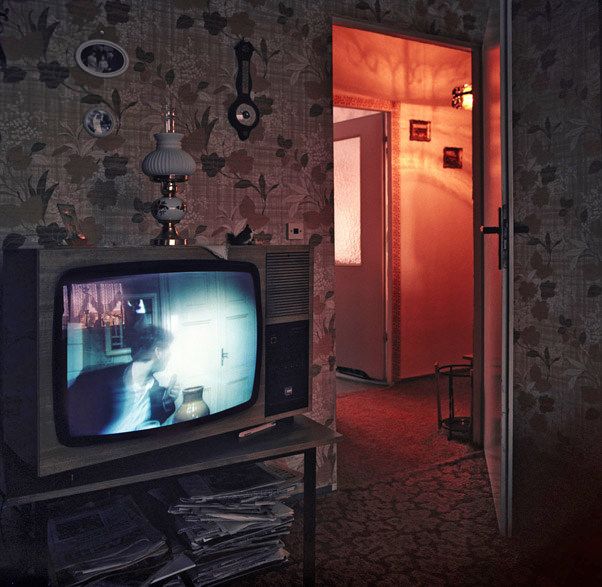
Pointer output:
x,y
359,163
347,203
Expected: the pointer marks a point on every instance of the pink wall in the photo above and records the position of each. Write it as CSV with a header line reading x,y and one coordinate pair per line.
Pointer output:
x,y
436,241
435,204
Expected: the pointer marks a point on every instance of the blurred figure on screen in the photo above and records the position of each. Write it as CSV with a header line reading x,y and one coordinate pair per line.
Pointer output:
x,y
126,397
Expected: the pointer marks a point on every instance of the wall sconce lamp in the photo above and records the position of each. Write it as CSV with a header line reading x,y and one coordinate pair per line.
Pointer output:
x,y
462,97
168,165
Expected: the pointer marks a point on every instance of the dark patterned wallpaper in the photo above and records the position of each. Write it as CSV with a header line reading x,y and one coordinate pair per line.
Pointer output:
x,y
182,50
558,269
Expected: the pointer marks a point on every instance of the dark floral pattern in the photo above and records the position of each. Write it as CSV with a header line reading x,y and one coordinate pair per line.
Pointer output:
x,y
188,60
557,150
80,168
115,165
103,194
117,12
214,22
12,75
53,73
51,235
212,164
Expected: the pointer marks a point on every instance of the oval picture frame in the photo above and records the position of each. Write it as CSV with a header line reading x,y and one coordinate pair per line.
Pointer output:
x,y
99,122
102,58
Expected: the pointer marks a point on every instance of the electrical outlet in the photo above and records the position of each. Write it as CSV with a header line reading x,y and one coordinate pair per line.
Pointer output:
x,y
294,231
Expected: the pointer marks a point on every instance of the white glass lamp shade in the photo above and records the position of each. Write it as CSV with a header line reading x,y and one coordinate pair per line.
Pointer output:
x,y
168,158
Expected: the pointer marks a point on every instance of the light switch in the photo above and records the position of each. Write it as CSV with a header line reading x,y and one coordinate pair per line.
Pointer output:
x,y
294,231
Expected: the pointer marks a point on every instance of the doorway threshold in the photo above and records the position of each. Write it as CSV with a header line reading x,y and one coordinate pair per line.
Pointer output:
x,y
358,376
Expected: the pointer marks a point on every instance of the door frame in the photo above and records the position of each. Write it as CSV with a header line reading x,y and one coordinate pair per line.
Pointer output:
x,y
508,302
477,194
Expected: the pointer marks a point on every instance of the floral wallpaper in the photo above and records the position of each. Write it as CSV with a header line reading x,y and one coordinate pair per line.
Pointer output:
x,y
181,52
558,269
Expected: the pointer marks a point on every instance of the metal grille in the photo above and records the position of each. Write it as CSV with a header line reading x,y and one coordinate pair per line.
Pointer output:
x,y
287,286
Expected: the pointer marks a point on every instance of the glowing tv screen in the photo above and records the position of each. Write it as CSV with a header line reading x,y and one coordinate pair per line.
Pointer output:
x,y
144,348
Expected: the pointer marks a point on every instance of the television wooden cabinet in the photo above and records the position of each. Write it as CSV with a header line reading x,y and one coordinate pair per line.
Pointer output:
x,y
298,435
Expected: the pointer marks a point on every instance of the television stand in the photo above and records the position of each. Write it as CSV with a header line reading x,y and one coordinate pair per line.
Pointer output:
x,y
301,436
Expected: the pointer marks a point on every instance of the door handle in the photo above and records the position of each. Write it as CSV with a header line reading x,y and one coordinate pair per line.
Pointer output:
x,y
496,230
502,231
518,229
224,356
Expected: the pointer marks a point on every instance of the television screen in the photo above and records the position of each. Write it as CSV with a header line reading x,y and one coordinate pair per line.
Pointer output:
x,y
144,349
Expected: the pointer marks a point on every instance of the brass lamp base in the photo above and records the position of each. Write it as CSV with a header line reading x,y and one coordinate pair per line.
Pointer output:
x,y
168,210
169,236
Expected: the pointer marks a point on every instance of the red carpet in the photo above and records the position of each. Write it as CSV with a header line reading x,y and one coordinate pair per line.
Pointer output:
x,y
433,528
393,430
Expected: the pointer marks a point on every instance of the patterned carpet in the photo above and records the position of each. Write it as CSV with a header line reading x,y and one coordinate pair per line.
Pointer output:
x,y
431,528
391,430
436,524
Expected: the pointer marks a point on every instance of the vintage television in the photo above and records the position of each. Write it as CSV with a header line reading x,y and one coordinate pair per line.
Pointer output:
x,y
112,352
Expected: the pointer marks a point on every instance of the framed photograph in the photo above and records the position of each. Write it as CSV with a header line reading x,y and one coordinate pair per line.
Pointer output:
x,y
420,130
452,157
99,122
102,58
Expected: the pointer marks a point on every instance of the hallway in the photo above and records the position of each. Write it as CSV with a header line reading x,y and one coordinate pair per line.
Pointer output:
x,y
422,523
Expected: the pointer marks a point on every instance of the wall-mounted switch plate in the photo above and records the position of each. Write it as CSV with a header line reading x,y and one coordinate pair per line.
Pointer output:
x,y
294,231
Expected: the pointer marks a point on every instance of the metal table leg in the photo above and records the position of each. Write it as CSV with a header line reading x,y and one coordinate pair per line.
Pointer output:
x,y
309,517
450,391
439,417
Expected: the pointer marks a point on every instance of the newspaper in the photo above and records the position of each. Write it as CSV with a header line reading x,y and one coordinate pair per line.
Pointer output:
x,y
100,539
233,519
247,482
238,564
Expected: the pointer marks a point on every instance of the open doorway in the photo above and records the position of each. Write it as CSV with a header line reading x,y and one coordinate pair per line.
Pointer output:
x,y
404,256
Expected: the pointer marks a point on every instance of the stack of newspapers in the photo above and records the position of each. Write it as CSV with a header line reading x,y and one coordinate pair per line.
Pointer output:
x,y
233,519
102,540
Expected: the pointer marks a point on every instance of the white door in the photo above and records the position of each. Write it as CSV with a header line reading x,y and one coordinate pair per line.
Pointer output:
x,y
190,314
497,270
238,346
359,167
214,323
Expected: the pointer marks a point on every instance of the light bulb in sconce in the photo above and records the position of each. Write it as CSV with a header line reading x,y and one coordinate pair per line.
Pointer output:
x,y
462,97
169,165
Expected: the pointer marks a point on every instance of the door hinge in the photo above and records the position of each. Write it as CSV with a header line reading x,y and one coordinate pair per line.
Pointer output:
x,y
386,337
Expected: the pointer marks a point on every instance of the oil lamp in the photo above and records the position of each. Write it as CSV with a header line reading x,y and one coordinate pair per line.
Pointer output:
x,y
168,165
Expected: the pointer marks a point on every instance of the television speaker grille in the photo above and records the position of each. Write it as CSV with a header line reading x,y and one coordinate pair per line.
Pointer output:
x,y
287,283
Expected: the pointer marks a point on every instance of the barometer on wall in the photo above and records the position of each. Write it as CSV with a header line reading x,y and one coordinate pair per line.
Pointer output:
x,y
243,114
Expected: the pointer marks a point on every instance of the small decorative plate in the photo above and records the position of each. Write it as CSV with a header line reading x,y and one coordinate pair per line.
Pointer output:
x,y
102,58
99,122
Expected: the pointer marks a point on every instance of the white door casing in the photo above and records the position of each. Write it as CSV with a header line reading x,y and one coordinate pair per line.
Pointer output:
x,y
497,270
